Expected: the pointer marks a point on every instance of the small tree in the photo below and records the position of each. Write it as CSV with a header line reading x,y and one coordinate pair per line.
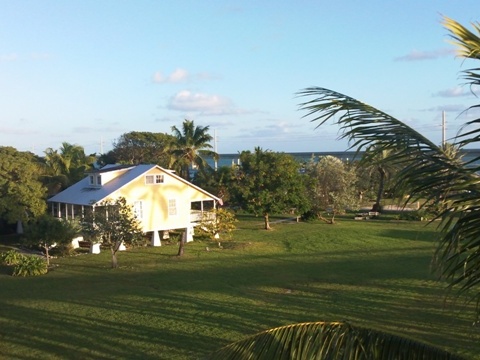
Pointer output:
x,y
331,186
112,223
221,226
267,183
46,231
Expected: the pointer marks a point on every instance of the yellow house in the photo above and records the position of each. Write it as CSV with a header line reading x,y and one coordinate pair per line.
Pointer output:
x,y
160,199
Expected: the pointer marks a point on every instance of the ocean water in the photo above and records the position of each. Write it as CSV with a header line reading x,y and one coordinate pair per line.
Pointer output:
x,y
230,159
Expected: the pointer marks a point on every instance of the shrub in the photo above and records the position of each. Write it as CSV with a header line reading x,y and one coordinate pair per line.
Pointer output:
x,y
30,266
11,257
62,250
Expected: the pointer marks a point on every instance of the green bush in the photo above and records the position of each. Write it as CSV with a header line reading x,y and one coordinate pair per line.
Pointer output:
x,y
62,250
11,257
30,266
418,215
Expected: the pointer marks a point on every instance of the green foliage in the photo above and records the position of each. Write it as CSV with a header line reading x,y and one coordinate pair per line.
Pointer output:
x,y
46,231
217,182
30,266
328,340
331,186
11,257
427,171
112,223
141,147
22,195
269,183
65,166
220,223
191,147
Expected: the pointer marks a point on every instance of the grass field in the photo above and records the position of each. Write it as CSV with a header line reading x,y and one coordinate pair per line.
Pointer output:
x,y
158,306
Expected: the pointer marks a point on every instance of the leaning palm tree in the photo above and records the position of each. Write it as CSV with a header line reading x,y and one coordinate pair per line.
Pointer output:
x,y
193,145
427,171
328,340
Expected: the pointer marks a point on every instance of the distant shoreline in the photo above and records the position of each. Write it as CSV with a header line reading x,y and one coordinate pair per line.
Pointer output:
x,y
232,158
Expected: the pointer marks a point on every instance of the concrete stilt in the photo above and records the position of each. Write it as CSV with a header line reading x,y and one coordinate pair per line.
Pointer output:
x,y
156,239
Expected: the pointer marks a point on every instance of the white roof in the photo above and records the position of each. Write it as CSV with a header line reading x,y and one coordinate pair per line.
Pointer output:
x,y
82,193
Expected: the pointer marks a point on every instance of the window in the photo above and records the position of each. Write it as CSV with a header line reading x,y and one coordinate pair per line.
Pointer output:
x,y
92,180
153,179
138,209
99,180
172,207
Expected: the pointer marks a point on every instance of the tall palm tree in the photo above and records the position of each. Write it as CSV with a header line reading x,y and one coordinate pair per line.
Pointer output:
x,y
427,171
193,144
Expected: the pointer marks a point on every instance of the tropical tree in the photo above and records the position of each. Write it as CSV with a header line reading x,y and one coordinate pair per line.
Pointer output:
x,y
380,169
65,166
329,340
191,147
113,224
141,147
331,187
267,183
216,182
47,231
427,171
22,195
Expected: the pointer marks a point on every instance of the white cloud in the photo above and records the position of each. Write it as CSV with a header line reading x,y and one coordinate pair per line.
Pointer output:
x,y
453,92
206,104
177,76
417,55
40,56
9,57
448,108
181,76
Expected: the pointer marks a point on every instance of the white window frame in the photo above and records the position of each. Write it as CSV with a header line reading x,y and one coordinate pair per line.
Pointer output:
x,y
154,179
172,207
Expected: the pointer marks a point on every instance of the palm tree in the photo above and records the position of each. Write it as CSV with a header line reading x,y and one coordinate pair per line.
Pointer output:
x,y
65,166
427,171
191,147
328,340
377,162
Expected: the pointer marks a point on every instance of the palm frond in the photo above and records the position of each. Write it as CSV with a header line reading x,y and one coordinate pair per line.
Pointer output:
x,y
428,171
328,340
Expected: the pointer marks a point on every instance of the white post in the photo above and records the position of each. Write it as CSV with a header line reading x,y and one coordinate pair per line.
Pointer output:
x,y
156,239
95,249
189,232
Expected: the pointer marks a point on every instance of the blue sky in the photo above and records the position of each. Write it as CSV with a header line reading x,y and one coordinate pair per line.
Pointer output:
x,y
86,72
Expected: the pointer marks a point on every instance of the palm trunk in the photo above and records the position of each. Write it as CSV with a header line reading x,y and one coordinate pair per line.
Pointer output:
x,y
267,222
381,186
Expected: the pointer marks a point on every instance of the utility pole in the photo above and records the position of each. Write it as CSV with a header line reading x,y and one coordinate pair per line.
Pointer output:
x,y
444,141
215,146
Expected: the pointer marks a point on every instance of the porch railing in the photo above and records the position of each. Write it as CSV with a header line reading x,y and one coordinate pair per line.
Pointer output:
x,y
198,215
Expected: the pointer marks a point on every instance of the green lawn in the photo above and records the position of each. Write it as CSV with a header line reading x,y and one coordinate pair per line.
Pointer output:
x,y
159,306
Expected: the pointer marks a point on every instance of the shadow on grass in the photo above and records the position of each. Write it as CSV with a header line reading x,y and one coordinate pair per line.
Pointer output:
x,y
168,312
